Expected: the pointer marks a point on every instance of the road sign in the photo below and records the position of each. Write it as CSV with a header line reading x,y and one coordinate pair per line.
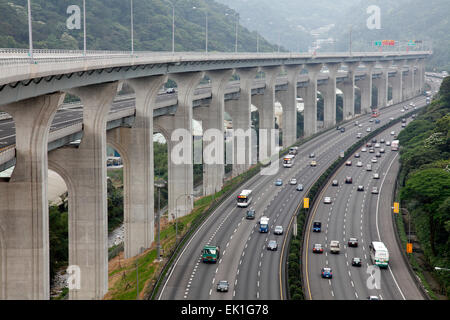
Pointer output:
x,y
409,248
411,42
306,203
396,207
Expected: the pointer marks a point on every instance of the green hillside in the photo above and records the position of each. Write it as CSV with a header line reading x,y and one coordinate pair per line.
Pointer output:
x,y
108,26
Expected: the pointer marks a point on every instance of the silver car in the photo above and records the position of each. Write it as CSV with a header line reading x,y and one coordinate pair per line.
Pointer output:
x,y
272,245
278,230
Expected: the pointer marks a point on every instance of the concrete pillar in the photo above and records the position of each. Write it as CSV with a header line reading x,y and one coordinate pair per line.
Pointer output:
x,y
266,108
418,77
135,145
24,242
177,129
382,84
289,103
310,100
365,86
329,93
212,119
84,170
348,88
240,112
409,85
397,82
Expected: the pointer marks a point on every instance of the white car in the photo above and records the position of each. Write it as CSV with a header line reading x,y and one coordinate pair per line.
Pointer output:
x,y
278,230
293,181
377,145
382,150
402,110
368,129
388,143
360,125
392,133
374,160
376,176
364,149
391,118
327,200
375,190
359,164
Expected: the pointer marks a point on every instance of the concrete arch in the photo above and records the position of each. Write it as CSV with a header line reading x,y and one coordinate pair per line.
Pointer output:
x,y
61,171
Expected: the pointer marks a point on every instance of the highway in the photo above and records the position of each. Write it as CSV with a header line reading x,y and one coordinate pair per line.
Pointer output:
x,y
252,270
362,215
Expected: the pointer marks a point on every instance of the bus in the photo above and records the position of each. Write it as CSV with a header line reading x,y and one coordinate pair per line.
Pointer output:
x,y
288,161
394,145
375,113
244,198
210,254
379,254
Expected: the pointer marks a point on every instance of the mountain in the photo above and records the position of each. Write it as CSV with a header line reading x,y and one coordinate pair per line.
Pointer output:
x,y
108,26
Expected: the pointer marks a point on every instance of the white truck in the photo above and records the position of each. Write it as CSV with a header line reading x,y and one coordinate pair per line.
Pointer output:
x,y
394,145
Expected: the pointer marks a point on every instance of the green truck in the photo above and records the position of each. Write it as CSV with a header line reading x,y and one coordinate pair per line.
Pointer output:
x,y
210,254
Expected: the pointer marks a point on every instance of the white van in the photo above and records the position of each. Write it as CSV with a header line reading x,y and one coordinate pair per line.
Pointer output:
x,y
334,246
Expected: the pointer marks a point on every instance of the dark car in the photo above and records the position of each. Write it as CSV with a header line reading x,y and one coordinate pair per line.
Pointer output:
x,y
250,214
374,140
352,242
356,262
348,180
378,154
300,187
342,129
317,226
272,245
317,248
327,273
222,286
335,183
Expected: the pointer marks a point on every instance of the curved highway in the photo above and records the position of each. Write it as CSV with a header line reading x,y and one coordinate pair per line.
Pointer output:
x,y
251,270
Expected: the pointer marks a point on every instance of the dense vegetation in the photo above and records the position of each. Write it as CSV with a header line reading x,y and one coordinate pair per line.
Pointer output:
x,y
425,177
108,26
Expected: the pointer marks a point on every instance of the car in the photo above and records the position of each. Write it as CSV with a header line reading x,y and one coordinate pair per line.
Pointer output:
x,y
327,273
348,163
375,190
222,286
327,200
369,167
342,129
357,155
317,248
374,160
356,262
388,143
374,140
338,128
373,298
312,155
360,125
352,242
360,188
348,180
272,245
377,145
342,154
413,116
382,150
382,141
378,154
403,120
356,122
391,118
313,163
250,215
279,182
403,125
317,226
278,230
300,187
368,129
371,150
377,121
335,247
392,133
370,120
334,183
293,181
369,144
358,135
395,137
364,149
402,110
359,164
170,90
376,176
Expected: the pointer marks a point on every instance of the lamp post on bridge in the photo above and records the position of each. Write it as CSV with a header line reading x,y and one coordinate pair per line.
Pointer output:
x,y
206,26
173,25
236,14
132,28
30,33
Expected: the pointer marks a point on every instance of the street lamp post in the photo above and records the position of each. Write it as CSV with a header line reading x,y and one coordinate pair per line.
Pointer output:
x,y
132,29
84,28
236,30
30,33
160,183
206,27
173,25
